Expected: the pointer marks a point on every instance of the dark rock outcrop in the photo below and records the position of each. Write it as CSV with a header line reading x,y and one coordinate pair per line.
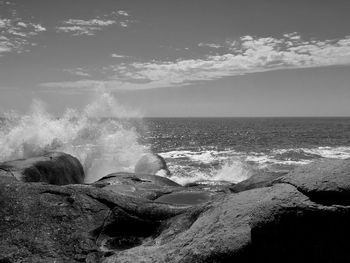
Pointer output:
x,y
272,224
53,168
73,223
151,163
286,222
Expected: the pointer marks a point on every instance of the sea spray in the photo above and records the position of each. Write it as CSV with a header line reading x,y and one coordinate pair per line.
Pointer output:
x,y
100,136
233,170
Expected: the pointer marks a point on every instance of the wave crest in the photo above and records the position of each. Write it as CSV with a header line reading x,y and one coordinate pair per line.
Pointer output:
x,y
97,135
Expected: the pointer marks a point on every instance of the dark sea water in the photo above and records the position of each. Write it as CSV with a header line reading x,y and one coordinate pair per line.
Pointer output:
x,y
231,148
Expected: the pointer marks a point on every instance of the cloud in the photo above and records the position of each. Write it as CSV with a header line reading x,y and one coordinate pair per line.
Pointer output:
x,y
210,45
84,27
78,72
16,33
245,55
90,27
118,56
91,85
122,13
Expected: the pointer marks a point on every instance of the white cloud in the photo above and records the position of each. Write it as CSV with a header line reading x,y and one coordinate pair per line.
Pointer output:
x,y
16,33
84,27
114,55
38,28
90,27
123,24
122,13
78,72
246,55
211,45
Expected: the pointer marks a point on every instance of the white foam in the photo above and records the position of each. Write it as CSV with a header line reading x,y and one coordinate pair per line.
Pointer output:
x,y
232,171
264,160
101,146
205,156
331,152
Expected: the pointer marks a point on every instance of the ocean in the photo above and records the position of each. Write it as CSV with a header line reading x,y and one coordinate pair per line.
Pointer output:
x,y
232,149
209,150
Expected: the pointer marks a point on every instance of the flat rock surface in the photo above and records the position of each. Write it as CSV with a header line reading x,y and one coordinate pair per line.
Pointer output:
x,y
186,197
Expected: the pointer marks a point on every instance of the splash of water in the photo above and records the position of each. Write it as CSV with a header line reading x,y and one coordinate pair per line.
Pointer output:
x,y
233,171
96,135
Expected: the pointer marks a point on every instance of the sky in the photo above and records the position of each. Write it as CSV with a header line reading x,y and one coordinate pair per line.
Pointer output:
x,y
178,58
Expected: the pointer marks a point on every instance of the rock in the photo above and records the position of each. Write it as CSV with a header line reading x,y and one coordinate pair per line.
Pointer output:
x,y
152,164
53,168
258,180
325,181
72,223
86,223
186,197
271,224
138,185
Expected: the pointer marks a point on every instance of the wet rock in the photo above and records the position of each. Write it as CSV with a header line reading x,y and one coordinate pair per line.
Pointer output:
x,y
152,163
139,185
53,168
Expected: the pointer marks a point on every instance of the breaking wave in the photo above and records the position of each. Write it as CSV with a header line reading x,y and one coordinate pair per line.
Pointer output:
x,y
233,171
190,166
217,167
100,136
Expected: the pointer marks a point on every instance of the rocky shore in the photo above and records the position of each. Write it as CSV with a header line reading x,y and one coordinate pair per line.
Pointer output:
x,y
47,214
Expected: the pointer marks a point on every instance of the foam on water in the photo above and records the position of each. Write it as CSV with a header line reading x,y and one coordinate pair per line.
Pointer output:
x,y
218,169
205,156
102,145
232,166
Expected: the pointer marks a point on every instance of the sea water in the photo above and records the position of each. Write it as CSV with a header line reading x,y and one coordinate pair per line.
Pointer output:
x,y
232,149
106,137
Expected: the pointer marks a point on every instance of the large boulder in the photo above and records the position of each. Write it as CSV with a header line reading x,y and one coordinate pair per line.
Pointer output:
x,y
53,168
152,163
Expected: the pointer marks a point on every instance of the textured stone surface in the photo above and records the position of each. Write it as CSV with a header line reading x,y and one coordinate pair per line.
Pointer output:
x,y
261,179
272,224
325,181
73,223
